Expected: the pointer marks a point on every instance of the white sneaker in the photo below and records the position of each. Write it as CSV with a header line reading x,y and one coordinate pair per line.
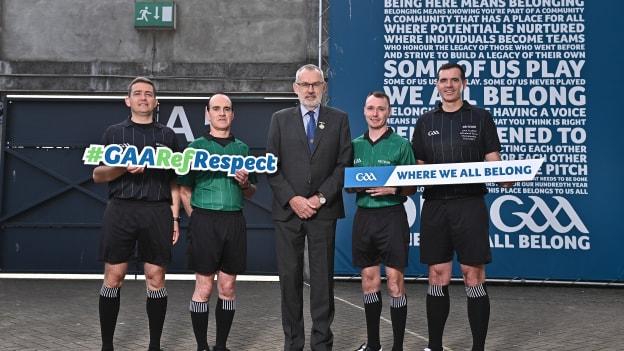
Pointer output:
x,y
364,347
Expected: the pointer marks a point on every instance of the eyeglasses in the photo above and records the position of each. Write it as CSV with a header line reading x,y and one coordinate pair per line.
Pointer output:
x,y
306,85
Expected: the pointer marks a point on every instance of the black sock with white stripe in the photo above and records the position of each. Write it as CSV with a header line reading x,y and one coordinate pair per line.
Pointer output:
x,y
199,319
224,315
156,306
478,314
438,304
109,310
372,310
398,314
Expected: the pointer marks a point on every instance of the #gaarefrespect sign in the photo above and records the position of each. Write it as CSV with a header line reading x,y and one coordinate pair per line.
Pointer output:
x,y
190,159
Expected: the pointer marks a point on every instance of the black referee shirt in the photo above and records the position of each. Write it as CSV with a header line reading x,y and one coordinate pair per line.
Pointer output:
x,y
465,135
153,184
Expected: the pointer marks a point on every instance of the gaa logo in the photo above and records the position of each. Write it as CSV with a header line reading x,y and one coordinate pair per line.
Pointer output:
x,y
365,177
433,132
542,210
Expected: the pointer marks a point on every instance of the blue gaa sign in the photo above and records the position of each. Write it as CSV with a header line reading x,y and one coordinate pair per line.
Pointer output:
x,y
445,173
154,15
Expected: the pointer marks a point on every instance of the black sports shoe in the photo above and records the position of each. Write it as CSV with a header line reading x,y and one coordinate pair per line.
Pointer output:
x,y
215,348
365,347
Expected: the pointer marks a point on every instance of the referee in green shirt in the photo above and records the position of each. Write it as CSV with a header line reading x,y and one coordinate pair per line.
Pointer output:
x,y
217,230
380,227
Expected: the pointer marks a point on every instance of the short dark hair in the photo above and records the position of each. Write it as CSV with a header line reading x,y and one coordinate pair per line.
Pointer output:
x,y
451,65
379,94
141,80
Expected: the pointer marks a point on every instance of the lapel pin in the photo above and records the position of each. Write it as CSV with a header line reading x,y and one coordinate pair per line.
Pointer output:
x,y
321,125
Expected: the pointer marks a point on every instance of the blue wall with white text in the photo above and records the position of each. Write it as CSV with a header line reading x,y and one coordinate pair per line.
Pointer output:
x,y
548,74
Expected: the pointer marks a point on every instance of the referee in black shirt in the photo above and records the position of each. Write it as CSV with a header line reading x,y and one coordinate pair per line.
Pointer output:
x,y
143,207
454,218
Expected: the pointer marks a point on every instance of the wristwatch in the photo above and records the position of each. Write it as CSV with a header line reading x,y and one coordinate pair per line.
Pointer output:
x,y
322,199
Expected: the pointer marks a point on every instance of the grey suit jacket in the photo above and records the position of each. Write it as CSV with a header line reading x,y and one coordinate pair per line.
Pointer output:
x,y
304,173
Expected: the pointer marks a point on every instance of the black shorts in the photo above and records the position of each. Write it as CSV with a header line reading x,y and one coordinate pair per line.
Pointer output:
x,y
380,235
127,222
217,242
459,225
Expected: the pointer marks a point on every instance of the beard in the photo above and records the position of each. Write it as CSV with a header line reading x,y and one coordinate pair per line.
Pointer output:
x,y
310,104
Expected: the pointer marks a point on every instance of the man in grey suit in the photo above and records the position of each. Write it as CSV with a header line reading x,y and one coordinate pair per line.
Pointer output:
x,y
313,146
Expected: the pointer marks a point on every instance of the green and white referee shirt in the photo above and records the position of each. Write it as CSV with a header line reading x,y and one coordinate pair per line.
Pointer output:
x,y
389,150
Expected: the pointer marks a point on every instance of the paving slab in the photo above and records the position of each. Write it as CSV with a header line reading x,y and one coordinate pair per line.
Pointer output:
x,y
63,315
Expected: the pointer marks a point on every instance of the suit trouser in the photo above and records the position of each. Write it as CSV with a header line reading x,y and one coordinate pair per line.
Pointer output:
x,y
290,243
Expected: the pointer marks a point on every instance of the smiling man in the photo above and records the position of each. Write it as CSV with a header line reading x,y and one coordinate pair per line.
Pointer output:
x,y
143,208
380,228
313,146
454,218
217,231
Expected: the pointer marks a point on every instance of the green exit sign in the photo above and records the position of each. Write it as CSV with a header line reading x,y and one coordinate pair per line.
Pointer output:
x,y
154,15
